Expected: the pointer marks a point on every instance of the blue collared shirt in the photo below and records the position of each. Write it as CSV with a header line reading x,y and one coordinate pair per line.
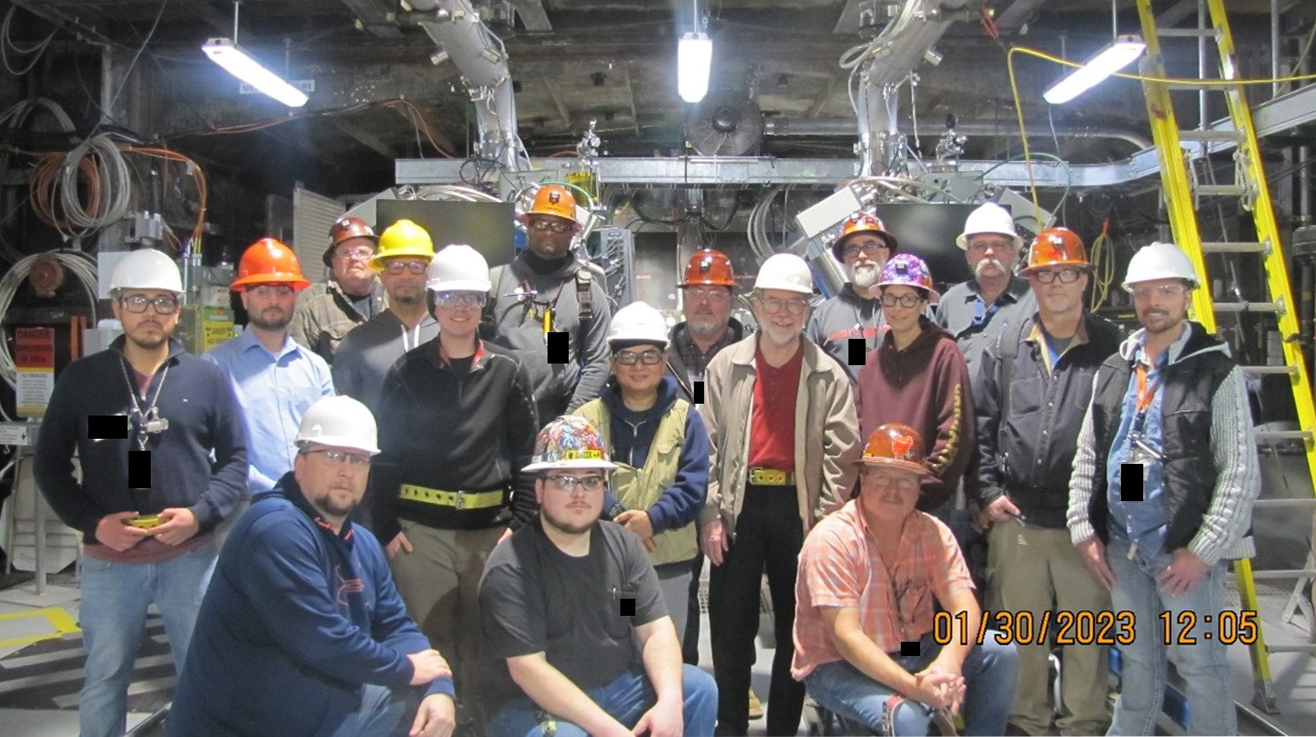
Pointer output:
x,y
274,392
1144,522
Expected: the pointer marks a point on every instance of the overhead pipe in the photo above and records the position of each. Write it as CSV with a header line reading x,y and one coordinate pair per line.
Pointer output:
x,y
846,127
482,60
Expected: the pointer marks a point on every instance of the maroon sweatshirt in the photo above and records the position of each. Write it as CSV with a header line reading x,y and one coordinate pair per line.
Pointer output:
x,y
925,386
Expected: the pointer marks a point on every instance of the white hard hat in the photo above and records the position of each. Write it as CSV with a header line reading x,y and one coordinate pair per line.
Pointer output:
x,y
638,322
1159,261
989,218
341,422
458,268
146,269
785,271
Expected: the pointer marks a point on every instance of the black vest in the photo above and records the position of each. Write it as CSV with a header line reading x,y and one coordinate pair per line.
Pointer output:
x,y
1188,387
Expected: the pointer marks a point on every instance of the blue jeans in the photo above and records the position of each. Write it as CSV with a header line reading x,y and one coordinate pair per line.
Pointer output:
x,y
384,712
1203,666
115,597
989,674
627,698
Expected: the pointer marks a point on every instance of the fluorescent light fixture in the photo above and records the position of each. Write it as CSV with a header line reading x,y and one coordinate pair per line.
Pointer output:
x,y
1114,57
694,60
244,66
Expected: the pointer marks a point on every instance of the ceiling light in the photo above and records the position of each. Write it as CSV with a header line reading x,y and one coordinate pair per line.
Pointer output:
x,y
244,66
1114,57
694,61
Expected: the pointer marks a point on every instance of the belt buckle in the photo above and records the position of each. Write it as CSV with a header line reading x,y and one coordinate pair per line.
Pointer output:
x,y
770,477
460,502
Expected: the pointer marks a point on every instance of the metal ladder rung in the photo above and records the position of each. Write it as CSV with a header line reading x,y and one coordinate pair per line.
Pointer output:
x,y
1210,135
1284,502
1283,435
1186,32
1285,573
1222,190
1311,647
1290,370
1235,247
1275,307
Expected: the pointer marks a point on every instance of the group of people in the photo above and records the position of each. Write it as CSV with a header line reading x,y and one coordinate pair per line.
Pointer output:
x,y
452,521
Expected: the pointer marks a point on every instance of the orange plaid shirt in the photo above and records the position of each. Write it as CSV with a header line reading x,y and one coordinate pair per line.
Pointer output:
x,y
840,566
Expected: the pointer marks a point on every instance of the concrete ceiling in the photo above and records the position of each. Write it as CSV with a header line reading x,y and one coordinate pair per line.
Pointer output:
x,y
579,60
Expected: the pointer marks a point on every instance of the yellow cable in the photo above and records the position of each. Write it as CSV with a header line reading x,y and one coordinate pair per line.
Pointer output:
x,y
1023,133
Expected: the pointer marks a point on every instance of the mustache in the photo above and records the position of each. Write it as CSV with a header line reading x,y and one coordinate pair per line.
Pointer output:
x,y
983,264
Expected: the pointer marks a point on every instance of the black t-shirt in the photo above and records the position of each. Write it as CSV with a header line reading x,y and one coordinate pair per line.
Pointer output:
x,y
535,598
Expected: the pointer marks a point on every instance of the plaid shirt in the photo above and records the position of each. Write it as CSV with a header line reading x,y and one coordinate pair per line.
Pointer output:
x,y
840,566
325,314
695,360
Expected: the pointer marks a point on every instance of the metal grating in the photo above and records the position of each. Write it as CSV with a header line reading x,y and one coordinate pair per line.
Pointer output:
x,y
313,215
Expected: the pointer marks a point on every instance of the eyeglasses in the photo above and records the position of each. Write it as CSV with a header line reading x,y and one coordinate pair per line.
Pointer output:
x,y
998,245
359,253
342,456
594,482
904,300
557,226
1164,291
1066,276
711,294
772,305
165,304
397,266
271,290
463,299
884,478
869,249
650,357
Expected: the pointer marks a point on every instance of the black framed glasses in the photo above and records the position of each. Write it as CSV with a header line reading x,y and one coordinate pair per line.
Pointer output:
x,y
593,482
342,456
650,357
397,266
165,304
1066,276
557,226
473,300
904,300
772,305
869,249
271,290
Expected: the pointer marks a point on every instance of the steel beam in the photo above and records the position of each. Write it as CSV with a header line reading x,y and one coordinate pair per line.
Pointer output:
x,y
533,15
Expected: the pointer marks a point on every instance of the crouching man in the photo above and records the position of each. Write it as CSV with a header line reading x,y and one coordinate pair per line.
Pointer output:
x,y
864,643
577,639
302,630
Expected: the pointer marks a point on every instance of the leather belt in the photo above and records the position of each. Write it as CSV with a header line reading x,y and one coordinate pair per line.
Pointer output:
x,y
456,499
771,477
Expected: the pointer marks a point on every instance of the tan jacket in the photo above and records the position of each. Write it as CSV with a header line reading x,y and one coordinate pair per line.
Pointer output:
x,y
826,433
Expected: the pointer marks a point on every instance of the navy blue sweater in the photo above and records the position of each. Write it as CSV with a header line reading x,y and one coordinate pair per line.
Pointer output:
x,y
296,620
632,435
203,416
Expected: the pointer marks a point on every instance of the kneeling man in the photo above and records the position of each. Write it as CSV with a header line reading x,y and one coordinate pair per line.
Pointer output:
x,y
864,643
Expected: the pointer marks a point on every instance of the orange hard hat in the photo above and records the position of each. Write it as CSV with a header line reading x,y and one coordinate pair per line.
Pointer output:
x,y
556,200
346,228
268,261
862,222
709,267
1057,247
895,445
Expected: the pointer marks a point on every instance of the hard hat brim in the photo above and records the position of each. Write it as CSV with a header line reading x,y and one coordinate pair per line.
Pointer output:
x,y
337,441
895,463
1083,265
580,463
962,240
298,282
458,286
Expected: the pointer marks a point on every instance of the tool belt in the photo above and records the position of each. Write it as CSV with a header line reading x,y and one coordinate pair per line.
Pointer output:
x,y
771,477
455,499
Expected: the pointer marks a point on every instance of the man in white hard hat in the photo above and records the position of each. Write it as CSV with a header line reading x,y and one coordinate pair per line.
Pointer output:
x,y
349,295
976,311
162,448
781,418
459,423
302,630
370,349
660,447
1161,495
576,635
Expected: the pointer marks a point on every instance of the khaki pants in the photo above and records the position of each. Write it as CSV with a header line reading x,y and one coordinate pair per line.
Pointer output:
x,y
1036,569
439,581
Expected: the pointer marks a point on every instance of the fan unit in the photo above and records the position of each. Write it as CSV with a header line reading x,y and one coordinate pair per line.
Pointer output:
x,y
725,124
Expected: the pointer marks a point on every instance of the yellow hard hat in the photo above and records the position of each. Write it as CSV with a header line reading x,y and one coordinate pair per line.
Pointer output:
x,y
403,238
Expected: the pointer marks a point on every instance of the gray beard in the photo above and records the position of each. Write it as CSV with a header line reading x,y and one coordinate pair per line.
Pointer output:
x,y
865,276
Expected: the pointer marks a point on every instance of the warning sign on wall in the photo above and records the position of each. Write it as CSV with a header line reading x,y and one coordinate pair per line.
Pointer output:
x,y
34,356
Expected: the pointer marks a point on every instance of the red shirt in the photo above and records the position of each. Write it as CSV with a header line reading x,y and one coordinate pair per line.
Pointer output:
x,y
772,423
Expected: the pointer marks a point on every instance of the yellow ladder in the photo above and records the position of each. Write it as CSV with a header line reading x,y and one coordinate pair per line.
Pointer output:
x,y
1182,196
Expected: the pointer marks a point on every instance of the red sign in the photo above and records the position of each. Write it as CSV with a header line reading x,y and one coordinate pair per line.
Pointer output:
x,y
34,348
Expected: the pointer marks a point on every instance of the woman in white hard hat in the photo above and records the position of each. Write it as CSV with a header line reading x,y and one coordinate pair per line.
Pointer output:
x,y
660,447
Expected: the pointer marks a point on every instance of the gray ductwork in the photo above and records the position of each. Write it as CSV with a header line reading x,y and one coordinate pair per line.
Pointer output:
x,y
846,127
482,60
